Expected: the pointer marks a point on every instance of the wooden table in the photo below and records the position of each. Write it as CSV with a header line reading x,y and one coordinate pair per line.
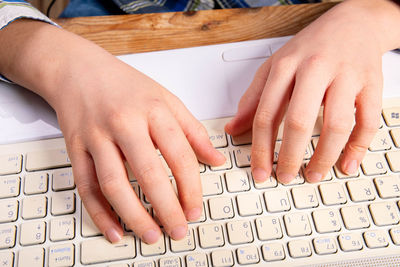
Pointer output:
x,y
124,34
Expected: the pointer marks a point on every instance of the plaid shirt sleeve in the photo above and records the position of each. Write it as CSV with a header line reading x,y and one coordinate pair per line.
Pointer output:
x,y
11,10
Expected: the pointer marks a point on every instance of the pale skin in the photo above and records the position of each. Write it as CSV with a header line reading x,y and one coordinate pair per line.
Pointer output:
x,y
114,113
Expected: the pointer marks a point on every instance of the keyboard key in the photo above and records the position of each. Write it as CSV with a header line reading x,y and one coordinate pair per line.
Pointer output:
x,y
391,116
384,213
242,156
220,208
276,200
268,228
247,255
211,184
395,133
332,194
381,141
148,263
222,258
10,164
326,220
62,228
239,232
35,183
88,228
63,179
355,217
211,235
62,255
341,175
299,248
216,132
350,242
185,244
361,190
196,260
31,257
63,203
99,250
393,158
325,245
8,210
269,183
7,259
376,239
297,224
170,262
7,236
395,234
243,139
298,179
157,248
374,164
34,207
9,186
228,163
237,181
33,233
273,252
248,204
47,159
388,186
304,197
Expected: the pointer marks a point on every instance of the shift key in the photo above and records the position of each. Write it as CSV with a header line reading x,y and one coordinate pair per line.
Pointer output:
x,y
47,159
100,250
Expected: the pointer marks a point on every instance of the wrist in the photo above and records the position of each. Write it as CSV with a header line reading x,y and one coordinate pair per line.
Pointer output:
x,y
381,16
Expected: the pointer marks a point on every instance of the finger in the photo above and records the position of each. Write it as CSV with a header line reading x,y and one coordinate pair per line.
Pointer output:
x,y
179,156
146,165
195,133
92,198
243,120
368,108
338,122
116,188
308,93
269,114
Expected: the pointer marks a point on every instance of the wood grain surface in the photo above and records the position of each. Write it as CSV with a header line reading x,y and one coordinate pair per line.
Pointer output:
x,y
124,34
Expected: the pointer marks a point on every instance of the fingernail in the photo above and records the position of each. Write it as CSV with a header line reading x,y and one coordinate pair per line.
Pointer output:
x,y
179,232
351,167
193,215
314,177
285,178
151,237
113,235
259,174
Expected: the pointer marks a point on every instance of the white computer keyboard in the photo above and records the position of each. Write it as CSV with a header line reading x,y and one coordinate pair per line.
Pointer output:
x,y
341,221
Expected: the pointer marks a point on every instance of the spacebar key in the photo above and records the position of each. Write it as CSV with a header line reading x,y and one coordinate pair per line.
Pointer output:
x,y
47,159
100,250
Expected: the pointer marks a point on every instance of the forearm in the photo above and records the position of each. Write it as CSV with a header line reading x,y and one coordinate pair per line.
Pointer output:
x,y
383,16
42,57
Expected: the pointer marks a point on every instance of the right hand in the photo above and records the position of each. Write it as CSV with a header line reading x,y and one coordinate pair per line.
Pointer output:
x,y
110,113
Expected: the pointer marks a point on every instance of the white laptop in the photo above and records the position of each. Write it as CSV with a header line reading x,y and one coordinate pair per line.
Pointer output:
x,y
353,220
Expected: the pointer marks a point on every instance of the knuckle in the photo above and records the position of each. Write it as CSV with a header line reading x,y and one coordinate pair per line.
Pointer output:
x,y
337,126
263,120
297,124
284,63
117,119
146,174
185,160
85,190
109,184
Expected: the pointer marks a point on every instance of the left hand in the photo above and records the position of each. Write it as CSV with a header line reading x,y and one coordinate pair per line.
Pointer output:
x,y
334,62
